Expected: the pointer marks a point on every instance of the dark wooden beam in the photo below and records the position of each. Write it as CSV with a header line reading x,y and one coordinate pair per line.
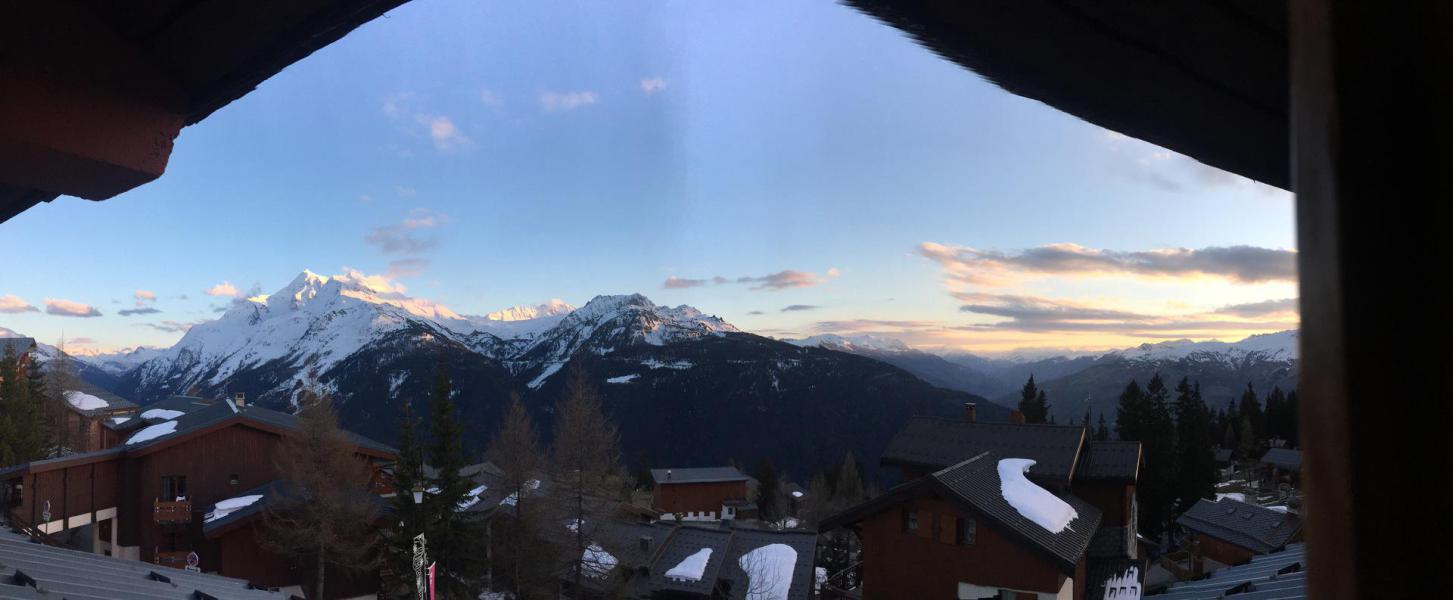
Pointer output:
x,y
1372,87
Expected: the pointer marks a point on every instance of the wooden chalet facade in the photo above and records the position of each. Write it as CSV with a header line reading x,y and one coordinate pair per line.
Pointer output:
x,y
1232,532
700,494
947,530
150,497
91,418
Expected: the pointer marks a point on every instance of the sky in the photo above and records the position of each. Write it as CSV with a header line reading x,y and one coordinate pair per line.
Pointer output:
x,y
796,168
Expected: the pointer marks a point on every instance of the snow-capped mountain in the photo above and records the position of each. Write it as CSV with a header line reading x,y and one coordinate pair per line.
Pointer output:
x,y
862,342
671,376
1281,345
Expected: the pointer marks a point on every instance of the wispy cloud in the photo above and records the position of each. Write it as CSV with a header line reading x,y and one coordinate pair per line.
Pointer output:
x,y
1283,306
406,267
652,85
1041,314
69,308
755,312
143,297
567,101
678,283
81,341
173,326
1238,264
12,304
444,133
145,310
799,307
405,191
224,289
780,280
404,237
860,325
1170,171
492,99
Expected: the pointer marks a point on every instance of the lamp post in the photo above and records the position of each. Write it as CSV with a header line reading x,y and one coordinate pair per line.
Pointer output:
x,y
420,549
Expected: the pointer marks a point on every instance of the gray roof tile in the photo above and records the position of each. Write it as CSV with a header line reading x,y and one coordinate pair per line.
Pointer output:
x,y
697,475
1281,575
1283,457
1249,526
937,443
1110,460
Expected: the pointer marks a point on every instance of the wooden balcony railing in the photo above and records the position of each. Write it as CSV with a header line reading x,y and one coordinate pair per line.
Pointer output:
x,y
171,558
173,512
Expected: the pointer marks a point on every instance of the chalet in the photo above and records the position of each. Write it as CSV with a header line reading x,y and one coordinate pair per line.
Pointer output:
x,y
952,528
1281,575
701,560
1282,465
21,347
156,497
1232,532
700,494
91,418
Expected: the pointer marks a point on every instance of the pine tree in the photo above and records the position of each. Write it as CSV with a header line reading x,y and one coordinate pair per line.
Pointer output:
x,y
585,467
408,474
1196,473
455,538
516,451
1246,444
1158,479
769,492
23,430
1130,422
1278,416
1032,403
1249,410
1102,433
1293,420
323,518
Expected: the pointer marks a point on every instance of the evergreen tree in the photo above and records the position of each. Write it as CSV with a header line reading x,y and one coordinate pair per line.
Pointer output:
x,y
1196,473
585,468
455,538
1032,403
1246,445
1278,416
769,492
23,429
1102,433
1157,487
1130,422
324,519
1249,410
526,558
1293,420
408,474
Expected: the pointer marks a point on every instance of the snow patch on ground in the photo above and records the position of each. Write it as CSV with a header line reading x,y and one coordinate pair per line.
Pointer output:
x,y
623,378
550,369
396,380
511,499
153,432
161,413
769,571
652,363
472,497
692,567
231,505
1034,502
84,401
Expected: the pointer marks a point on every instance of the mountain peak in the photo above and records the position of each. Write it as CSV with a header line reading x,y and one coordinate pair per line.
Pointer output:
x,y
552,308
851,343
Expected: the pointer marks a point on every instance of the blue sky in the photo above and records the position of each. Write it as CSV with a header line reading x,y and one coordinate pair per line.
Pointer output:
x,y
491,154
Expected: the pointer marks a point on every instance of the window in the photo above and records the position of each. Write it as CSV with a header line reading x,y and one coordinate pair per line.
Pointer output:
x,y
173,487
232,479
910,521
966,530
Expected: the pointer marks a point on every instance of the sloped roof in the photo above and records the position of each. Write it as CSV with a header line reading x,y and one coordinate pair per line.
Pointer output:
x,y
974,486
114,403
1119,461
18,345
1284,458
183,404
697,475
672,543
1252,527
1280,575
684,542
937,443
1223,455
221,412
76,575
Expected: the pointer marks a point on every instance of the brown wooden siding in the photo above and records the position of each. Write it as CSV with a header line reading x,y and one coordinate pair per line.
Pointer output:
x,y
921,565
1111,497
71,490
1223,551
698,497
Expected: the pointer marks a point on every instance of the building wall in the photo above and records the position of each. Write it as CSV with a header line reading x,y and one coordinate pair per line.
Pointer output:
x,y
1111,497
72,492
1223,551
897,564
698,497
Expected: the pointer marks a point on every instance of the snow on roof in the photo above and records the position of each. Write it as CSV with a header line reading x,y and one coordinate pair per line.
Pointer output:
x,y
84,401
692,567
596,562
1124,586
1237,496
512,498
230,505
119,420
1032,501
769,571
623,378
161,413
472,497
153,432
796,494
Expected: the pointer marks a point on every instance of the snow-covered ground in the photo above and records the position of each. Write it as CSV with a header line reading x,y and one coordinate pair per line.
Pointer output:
x,y
623,378
1034,502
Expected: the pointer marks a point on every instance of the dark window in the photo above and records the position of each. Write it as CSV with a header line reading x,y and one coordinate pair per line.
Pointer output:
x,y
232,479
173,487
910,520
967,529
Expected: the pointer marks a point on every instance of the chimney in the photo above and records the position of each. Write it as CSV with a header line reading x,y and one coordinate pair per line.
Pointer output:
x,y
645,544
240,399
668,474
971,412
1016,417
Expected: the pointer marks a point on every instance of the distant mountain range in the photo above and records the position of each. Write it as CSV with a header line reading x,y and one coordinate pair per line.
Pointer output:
x,y
686,388
1073,383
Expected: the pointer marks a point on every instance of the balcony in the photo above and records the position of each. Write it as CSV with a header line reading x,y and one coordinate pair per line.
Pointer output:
x,y
178,512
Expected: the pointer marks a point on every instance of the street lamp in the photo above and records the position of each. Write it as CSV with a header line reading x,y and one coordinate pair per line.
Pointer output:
x,y
420,552
418,493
